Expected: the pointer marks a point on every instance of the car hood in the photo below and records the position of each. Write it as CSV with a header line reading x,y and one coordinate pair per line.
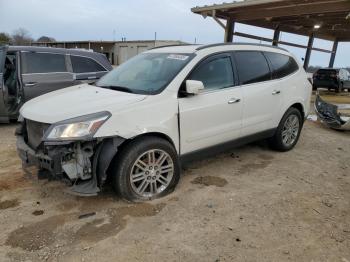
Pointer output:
x,y
76,101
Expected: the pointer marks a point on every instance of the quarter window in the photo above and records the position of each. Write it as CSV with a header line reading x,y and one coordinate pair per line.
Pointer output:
x,y
252,67
214,74
85,65
282,65
43,63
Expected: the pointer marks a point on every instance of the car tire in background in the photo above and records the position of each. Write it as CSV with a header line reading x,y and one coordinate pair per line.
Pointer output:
x,y
339,88
146,168
288,131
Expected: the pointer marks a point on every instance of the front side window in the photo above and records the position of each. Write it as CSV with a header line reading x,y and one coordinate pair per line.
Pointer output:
x,y
43,63
252,67
282,65
85,65
216,73
147,73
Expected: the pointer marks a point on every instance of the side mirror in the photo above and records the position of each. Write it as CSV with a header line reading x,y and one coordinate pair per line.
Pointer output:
x,y
193,86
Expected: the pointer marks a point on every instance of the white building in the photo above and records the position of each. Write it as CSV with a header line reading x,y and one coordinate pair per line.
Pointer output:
x,y
116,51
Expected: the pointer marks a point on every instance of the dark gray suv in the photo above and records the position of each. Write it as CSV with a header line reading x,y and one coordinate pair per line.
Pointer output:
x,y
27,72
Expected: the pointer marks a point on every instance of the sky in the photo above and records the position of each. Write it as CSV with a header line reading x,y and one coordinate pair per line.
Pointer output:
x,y
69,20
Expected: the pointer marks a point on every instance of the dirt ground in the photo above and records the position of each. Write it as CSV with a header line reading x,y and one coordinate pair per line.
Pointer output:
x,y
249,204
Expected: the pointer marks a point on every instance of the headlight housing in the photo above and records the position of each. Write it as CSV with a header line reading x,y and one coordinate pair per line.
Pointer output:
x,y
83,127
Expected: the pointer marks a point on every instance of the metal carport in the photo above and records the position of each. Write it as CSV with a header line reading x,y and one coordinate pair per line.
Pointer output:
x,y
324,19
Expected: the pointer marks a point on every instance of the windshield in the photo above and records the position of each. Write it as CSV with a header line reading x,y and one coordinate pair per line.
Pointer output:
x,y
147,73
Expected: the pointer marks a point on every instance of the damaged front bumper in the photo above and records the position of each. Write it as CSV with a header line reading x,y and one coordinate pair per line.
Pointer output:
x,y
330,115
83,163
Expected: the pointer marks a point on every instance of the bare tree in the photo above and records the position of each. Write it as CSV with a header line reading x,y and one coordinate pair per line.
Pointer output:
x,y
46,39
21,36
5,38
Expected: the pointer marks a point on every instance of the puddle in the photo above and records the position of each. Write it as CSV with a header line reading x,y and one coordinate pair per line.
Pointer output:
x,y
102,228
210,181
36,235
9,203
44,233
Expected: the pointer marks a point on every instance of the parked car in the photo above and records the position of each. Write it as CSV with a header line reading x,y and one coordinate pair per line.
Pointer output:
x,y
138,123
27,72
332,78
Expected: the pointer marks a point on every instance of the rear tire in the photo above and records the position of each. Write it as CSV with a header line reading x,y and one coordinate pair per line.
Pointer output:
x,y
339,88
145,169
288,131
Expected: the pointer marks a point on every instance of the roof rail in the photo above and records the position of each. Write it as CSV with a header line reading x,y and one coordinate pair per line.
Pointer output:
x,y
238,43
157,47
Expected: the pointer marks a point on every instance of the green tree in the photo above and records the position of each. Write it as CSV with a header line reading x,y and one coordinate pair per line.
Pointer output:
x,y
5,38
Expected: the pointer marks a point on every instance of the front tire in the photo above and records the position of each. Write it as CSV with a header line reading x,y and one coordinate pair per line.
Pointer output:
x,y
288,131
145,169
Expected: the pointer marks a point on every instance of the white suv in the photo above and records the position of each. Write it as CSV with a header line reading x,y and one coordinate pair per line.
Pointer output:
x,y
138,123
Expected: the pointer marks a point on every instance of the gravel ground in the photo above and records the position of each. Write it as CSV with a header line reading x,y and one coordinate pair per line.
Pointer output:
x,y
249,204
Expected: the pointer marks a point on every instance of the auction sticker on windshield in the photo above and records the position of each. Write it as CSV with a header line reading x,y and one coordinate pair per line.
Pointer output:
x,y
178,57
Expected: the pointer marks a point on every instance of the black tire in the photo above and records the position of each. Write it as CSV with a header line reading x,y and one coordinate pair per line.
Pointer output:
x,y
339,88
276,142
314,88
124,162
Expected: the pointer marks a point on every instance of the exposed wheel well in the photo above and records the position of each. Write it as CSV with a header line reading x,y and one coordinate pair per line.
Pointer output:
x,y
127,141
300,108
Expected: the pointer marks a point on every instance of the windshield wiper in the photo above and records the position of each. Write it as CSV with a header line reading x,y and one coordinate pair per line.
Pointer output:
x,y
118,88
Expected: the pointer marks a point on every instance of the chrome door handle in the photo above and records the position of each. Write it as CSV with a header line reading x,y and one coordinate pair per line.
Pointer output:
x,y
30,84
276,92
234,100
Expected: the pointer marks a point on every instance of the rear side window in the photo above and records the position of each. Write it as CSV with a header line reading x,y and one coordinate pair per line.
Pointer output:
x,y
282,65
2,59
85,65
252,67
43,63
215,74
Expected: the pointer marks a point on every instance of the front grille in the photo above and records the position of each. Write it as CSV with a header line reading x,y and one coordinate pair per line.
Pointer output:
x,y
35,132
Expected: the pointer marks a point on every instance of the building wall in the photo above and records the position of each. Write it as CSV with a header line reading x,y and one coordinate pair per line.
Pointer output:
x,y
117,52
128,49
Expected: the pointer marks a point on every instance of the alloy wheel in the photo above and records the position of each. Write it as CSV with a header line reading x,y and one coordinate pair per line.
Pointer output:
x,y
290,130
151,173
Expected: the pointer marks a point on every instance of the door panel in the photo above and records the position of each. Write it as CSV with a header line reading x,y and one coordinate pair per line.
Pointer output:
x,y
261,100
38,84
44,72
210,118
214,115
260,97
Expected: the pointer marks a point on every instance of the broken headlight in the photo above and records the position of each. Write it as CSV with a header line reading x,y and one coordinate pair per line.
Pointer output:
x,y
83,127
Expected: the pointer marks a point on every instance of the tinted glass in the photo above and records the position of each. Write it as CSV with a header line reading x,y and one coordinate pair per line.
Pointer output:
x,y
282,65
252,67
85,65
147,73
214,74
2,60
43,63
326,72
